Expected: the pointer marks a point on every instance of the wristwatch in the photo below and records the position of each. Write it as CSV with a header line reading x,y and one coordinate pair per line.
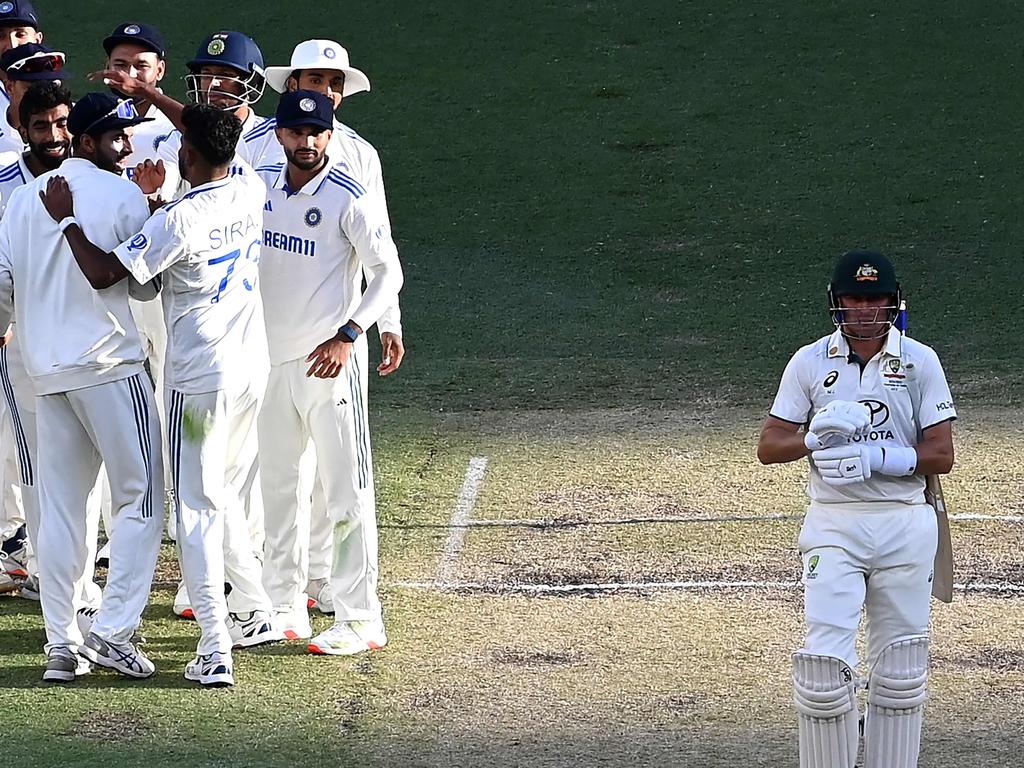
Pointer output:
x,y
348,332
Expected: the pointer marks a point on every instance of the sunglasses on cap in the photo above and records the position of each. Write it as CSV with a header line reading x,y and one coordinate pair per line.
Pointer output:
x,y
38,62
124,110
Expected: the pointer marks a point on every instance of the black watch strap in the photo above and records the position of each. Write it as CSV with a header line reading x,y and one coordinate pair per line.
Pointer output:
x,y
348,333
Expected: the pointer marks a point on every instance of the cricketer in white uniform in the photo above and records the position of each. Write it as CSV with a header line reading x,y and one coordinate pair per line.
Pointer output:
x,y
44,111
94,401
877,413
19,25
321,230
206,247
323,66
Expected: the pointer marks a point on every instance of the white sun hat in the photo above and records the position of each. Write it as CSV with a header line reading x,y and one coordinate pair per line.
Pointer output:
x,y
319,54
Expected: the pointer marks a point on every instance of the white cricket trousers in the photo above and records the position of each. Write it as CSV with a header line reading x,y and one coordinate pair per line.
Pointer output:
x,y
20,398
333,413
115,423
213,446
879,560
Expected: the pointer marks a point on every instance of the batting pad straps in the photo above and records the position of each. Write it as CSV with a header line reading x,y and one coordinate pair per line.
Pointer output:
x,y
824,693
897,689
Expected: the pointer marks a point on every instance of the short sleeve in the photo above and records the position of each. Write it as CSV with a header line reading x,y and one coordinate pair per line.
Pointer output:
x,y
936,399
155,248
793,400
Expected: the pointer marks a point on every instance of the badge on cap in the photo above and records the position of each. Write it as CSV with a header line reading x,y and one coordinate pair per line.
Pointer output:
x,y
216,47
330,53
132,29
866,272
6,7
307,105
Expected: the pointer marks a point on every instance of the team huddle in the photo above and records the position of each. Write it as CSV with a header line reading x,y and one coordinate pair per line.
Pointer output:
x,y
188,290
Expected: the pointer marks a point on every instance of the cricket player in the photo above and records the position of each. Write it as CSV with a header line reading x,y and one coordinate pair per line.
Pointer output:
x,y
323,66
19,25
206,247
44,111
871,409
93,399
321,230
22,66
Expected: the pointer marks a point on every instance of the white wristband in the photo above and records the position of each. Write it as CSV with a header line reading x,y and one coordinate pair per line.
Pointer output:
x,y
66,222
898,461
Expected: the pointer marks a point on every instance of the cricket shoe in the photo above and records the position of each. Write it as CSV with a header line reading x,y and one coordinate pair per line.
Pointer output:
x,y
30,589
14,563
86,617
347,638
248,630
318,595
9,583
126,658
214,670
182,604
63,665
294,625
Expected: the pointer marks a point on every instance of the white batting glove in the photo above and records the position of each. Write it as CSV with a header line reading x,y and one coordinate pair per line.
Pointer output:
x,y
848,464
836,423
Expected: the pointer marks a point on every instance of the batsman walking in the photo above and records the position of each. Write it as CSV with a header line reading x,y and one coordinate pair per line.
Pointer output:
x,y
871,409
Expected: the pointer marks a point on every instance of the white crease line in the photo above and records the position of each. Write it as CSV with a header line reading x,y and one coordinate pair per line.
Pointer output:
x,y
460,519
540,589
570,523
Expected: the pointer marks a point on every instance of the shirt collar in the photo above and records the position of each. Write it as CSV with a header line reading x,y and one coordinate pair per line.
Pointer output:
x,y
310,188
838,346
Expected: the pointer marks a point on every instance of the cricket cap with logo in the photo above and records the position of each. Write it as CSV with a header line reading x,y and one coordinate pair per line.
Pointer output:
x,y
145,36
299,108
33,61
319,54
18,13
96,113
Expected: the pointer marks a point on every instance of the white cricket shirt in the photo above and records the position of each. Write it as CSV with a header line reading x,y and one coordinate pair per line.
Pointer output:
x,y
260,147
14,174
206,246
75,336
317,241
10,137
903,385
146,140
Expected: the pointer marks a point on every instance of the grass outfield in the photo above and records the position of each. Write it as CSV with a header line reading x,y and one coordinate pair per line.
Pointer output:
x,y
616,221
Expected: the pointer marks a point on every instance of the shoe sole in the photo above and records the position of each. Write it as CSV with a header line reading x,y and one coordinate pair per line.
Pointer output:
x,y
58,677
265,639
103,661
212,681
291,634
317,650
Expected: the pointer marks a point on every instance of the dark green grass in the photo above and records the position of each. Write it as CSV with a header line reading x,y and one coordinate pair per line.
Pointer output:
x,y
609,202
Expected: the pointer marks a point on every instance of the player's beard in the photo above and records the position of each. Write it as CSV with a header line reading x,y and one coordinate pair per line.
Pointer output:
x,y
108,160
304,165
48,161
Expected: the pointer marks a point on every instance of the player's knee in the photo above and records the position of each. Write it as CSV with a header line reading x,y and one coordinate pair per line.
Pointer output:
x,y
824,686
898,681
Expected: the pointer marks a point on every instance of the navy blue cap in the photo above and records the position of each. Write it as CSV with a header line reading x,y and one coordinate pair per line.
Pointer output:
x,y
18,13
33,61
143,35
97,113
305,108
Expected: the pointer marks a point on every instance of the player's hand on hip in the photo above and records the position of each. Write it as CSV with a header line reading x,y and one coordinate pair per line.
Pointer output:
x,y
392,350
57,199
847,464
150,176
329,358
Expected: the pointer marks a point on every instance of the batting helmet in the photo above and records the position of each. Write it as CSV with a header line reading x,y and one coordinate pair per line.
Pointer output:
x,y
865,273
233,50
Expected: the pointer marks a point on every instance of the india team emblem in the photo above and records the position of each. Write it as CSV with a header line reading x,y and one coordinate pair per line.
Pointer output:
x,y
216,47
313,217
6,7
132,29
307,105
330,53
